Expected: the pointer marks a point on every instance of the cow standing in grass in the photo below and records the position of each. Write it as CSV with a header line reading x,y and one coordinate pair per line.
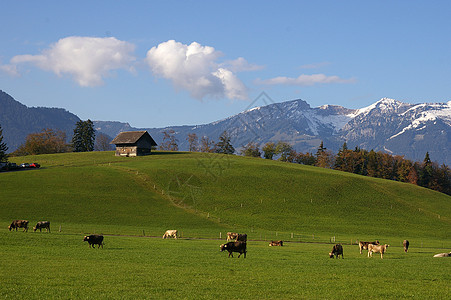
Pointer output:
x,y
170,234
231,247
364,245
42,225
231,236
241,237
405,243
94,239
377,248
336,251
19,224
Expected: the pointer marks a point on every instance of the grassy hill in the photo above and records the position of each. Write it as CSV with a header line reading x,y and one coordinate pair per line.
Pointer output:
x,y
204,194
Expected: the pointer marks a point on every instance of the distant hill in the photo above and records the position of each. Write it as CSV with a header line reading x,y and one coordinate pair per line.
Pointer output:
x,y
18,120
387,125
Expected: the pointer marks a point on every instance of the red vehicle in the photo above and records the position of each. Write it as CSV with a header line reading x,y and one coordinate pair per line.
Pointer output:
x,y
34,165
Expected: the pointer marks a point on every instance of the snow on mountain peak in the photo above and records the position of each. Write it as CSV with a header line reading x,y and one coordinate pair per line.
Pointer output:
x,y
385,105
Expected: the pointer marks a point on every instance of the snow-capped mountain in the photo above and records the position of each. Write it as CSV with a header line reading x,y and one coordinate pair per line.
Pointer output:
x,y
387,125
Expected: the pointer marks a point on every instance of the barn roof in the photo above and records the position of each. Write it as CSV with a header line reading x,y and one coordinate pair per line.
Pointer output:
x,y
132,137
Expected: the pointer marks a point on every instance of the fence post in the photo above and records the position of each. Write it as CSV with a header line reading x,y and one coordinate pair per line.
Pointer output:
x,y
220,235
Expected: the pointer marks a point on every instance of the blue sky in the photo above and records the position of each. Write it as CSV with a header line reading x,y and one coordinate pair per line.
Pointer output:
x,y
164,63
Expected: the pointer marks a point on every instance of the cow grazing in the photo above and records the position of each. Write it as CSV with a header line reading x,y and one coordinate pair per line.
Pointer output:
x,y
241,237
41,225
94,239
170,234
276,243
239,247
336,251
364,245
377,248
19,224
405,243
443,255
231,236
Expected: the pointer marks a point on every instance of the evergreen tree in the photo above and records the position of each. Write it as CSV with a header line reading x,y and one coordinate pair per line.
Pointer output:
x,y
224,145
426,172
3,147
320,150
84,136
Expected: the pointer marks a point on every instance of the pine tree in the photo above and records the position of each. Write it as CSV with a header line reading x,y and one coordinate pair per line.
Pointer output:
x,y
224,145
84,136
3,147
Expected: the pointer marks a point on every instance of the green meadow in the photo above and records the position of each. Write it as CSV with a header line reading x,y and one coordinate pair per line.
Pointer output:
x,y
132,201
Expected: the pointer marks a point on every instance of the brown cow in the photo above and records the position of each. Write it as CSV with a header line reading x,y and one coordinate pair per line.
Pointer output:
x,y
405,243
241,237
377,248
239,247
231,236
19,224
41,225
364,245
336,250
276,243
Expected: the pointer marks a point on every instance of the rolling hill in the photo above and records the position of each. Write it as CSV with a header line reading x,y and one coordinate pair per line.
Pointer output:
x,y
204,194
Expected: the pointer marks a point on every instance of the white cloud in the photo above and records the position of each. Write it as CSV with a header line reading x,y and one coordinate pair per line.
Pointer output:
x,y
240,65
195,68
304,80
9,69
86,59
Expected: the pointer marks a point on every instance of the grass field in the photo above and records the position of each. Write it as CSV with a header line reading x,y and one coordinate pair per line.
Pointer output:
x,y
41,266
133,200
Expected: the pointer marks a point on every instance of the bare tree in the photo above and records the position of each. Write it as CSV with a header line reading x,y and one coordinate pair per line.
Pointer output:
x,y
102,142
193,142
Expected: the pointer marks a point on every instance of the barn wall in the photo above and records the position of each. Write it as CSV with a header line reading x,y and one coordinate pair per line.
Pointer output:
x,y
131,151
126,150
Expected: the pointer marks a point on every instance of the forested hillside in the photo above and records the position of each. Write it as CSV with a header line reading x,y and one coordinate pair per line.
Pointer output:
x,y
18,120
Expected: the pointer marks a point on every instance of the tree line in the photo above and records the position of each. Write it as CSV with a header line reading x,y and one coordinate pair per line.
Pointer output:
x,y
50,141
378,164
204,144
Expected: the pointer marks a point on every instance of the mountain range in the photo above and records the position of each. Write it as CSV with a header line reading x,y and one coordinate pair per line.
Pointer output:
x,y
387,125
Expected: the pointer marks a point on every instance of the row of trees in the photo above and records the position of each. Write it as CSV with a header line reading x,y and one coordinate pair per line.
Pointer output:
x,y
224,145
54,141
360,161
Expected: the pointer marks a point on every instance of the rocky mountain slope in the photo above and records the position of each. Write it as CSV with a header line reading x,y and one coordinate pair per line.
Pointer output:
x,y
387,125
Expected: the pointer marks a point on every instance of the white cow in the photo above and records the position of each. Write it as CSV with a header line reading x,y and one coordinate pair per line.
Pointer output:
x,y
170,234
443,255
377,248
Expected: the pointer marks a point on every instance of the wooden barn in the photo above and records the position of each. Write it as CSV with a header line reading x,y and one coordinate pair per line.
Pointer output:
x,y
133,143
